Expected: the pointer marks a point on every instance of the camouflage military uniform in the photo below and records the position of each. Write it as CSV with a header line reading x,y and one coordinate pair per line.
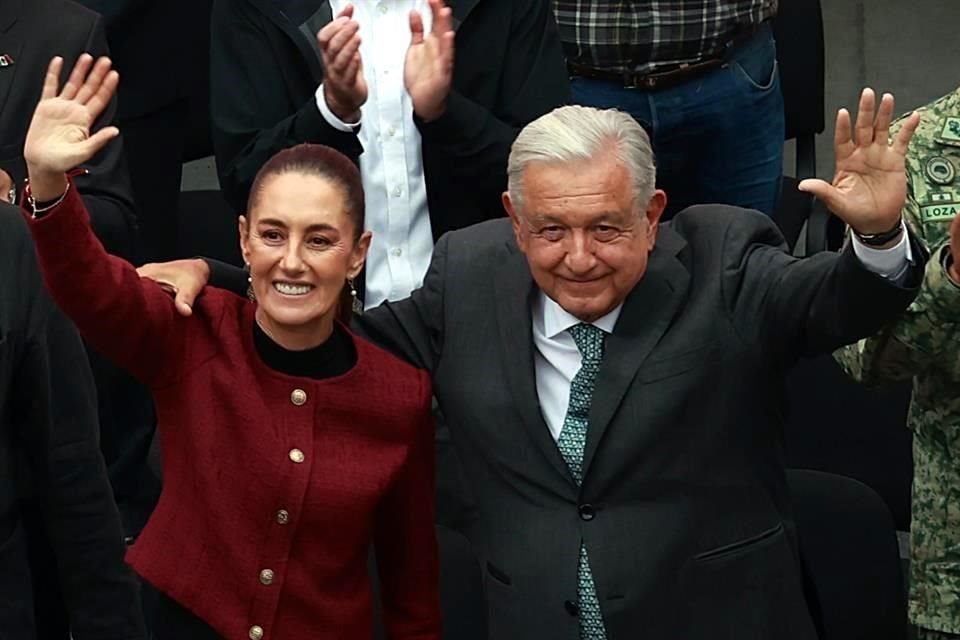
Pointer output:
x,y
925,345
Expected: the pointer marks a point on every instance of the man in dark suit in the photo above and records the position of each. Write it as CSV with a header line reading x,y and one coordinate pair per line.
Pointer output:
x,y
51,468
432,142
32,32
612,386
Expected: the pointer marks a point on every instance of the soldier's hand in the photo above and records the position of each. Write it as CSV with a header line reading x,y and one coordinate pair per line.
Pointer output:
x,y
955,249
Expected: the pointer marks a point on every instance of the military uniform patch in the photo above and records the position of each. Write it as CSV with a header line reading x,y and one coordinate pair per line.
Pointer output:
x,y
951,131
939,170
942,208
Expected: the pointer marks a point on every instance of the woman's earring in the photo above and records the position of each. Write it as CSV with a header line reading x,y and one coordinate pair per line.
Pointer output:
x,y
250,294
356,305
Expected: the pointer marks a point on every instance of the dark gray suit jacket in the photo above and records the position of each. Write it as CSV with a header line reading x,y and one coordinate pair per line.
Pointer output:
x,y
32,32
683,506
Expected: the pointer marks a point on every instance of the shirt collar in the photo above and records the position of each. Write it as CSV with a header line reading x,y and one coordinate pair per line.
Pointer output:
x,y
556,320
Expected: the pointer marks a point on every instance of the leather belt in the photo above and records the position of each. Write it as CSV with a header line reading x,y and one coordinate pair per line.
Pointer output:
x,y
671,77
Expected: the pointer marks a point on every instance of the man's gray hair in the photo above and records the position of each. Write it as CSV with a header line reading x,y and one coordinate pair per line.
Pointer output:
x,y
575,134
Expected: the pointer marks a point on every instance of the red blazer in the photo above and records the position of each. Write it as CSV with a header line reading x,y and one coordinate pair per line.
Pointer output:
x,y
275,486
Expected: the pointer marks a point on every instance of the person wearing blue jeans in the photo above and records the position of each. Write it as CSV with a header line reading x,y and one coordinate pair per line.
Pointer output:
x,y
701,77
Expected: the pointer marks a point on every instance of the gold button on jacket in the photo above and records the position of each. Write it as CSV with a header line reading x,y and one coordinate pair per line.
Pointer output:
x,y
283,516
266,577
256,632
298,397
296,455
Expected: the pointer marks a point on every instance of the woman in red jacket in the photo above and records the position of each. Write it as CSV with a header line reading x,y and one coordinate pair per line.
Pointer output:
x,y
290,445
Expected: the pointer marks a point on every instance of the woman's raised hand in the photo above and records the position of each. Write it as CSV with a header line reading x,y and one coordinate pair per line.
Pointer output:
x,y
59,137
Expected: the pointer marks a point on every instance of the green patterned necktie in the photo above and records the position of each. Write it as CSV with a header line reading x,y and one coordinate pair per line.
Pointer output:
x,y
572,440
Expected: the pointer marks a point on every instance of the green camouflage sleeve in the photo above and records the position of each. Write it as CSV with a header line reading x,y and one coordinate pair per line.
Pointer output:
x,y
926,335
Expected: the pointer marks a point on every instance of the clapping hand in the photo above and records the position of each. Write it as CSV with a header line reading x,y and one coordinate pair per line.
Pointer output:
x,y
870,186
428,68
59,137
344,87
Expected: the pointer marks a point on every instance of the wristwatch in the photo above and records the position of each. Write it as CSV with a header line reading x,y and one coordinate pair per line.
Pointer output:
x,y
880,239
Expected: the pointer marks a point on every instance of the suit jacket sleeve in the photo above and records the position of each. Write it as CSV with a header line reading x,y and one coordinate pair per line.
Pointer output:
x,y
106,188
413,328
57,425
805,307
251,116
474,140
924,337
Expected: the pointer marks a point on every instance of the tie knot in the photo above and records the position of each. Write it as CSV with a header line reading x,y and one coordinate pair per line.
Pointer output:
x,y
589,339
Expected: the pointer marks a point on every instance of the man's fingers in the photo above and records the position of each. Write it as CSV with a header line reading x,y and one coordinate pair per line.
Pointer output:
x,y
881,133
416,28
907,129
352,69
77,76
51,81
340,37
94,80
331,30
863,131
842,143
183,303
442,18
338,64
820,189
347,12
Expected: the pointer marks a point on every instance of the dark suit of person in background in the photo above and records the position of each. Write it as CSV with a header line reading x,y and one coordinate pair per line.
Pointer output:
x,y
152,47
266,67
51,466
32,32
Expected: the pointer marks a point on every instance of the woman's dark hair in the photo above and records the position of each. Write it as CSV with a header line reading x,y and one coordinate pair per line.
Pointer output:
x,y
323,162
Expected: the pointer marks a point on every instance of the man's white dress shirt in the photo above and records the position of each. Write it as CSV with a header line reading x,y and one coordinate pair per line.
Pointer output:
x,y
557,359
391,165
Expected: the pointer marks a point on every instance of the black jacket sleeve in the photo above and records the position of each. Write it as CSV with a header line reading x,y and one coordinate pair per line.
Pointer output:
x,y
56,421
475,141
252,114
412,328
806,307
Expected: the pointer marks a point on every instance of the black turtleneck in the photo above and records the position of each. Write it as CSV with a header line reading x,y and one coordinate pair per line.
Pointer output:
x,y
334,357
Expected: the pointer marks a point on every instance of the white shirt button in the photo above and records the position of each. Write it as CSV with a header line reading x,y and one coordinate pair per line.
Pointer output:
x,y
397,252
397,191
382,7
392,131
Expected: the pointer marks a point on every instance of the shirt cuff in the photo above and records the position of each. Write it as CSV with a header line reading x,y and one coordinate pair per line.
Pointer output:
x,y
890,263
329,116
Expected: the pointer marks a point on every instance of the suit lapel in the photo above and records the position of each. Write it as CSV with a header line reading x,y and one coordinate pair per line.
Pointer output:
x,y
461,9
301,30
647,313
514,288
